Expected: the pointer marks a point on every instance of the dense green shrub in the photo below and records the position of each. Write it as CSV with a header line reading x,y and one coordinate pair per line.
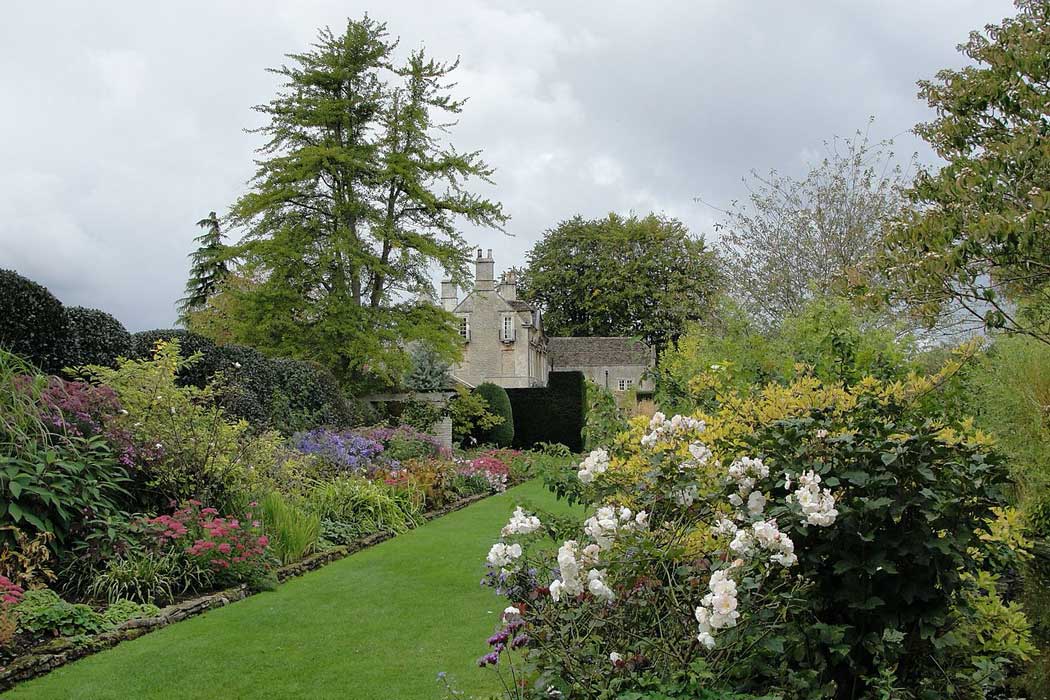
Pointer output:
x,y
502,434
1009,389
248,383
197,373
33,323
916,497
187,445
879,519
95,338
469,413
829,339
556,413
52,487
306,395
605,418
281,394
51,478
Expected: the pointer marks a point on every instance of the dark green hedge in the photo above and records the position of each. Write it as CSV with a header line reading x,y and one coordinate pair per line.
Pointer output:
x,y
95,338
282,394
556,413
307,395
33,323
189,344
496,397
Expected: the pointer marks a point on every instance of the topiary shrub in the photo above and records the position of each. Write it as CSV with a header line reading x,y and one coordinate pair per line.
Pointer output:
x,y
306,395
249,382
33,323
498,402
198,373
95,338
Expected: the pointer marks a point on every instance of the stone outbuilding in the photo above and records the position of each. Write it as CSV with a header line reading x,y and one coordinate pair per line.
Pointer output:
x,y
618,364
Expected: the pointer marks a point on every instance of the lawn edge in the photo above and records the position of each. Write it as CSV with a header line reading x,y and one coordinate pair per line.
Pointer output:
x,y
46,657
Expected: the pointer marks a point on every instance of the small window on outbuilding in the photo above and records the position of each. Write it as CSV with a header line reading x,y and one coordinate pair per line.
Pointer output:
x,y
626,384
464,328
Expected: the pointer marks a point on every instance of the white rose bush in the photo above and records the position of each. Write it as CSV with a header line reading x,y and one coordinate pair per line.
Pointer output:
x,y
685,576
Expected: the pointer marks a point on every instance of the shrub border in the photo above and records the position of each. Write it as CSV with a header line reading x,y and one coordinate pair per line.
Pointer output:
x,y
48,656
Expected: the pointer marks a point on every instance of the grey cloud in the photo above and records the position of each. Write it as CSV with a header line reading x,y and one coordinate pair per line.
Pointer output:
x,y
123,122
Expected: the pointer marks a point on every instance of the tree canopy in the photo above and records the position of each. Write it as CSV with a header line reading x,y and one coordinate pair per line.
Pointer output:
x,y
621,276
795,240
978,234
356,198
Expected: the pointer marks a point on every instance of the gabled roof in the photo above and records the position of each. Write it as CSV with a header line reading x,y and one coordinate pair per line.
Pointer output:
x,y
595,352
519,305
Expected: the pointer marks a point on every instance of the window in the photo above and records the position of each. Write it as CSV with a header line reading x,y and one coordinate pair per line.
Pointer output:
x,y
626,384
506,331
464,328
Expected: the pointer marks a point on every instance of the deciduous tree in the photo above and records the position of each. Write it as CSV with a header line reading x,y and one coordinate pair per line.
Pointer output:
x,y
979,235
794,239
621,276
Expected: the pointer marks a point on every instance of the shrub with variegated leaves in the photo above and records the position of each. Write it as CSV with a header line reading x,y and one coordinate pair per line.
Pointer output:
x,y
810,541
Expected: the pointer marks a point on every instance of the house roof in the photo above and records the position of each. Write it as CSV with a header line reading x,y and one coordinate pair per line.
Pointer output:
x,y
519,305
595,352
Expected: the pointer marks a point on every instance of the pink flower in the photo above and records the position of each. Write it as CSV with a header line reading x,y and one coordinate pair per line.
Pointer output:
x,y
263,540
224,548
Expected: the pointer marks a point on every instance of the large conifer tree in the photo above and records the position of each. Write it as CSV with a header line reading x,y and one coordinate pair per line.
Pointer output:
x,y
354,201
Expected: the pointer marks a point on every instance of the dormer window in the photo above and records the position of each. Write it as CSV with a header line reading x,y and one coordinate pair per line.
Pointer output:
x,y
464,328
506,330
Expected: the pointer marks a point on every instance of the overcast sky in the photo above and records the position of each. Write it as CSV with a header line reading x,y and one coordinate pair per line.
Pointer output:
x,y
122,122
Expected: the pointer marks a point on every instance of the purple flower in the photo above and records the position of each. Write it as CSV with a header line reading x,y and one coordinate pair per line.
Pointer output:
x,y
344,450
490,659
500,637
519,641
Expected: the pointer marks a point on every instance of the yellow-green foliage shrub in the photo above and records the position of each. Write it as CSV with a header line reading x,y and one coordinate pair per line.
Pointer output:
x,y
186,446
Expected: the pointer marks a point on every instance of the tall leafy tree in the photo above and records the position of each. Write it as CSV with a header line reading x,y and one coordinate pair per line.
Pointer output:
x,y
356,198
621,276
979,235
208,268
796,239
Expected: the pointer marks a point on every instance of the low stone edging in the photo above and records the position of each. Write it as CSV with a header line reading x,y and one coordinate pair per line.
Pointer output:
x,y
48,656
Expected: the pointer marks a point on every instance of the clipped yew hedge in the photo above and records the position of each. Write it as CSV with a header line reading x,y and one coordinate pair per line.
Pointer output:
x,y
33,322
555,413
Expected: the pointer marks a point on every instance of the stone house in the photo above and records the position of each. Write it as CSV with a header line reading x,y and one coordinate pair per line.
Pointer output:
x,y
504,339
505,343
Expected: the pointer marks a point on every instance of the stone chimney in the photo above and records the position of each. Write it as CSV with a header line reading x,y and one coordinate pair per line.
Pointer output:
x,y
449,295
508,286
485,272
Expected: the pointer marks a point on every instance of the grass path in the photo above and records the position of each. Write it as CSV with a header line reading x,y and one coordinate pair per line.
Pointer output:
x,y
379,624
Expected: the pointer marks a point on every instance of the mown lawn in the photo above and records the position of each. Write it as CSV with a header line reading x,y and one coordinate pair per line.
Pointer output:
x,y
379,624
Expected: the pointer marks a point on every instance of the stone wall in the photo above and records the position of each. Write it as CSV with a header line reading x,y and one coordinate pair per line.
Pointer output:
x,y
442,430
